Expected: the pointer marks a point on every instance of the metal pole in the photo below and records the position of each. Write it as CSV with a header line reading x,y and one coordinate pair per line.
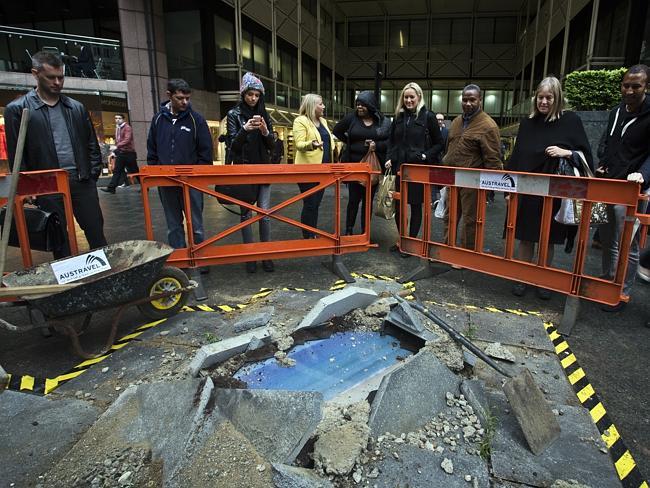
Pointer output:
x,y
318,46
592,32
299,7
565,45
548,36
274,52
333,59
523,52
238,38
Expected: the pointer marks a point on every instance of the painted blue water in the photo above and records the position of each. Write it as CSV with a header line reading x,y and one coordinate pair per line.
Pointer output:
x,y
330,366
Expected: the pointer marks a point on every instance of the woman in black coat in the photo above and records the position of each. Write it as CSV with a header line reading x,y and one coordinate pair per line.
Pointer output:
x,y
546,135
365,128
414,138
250,141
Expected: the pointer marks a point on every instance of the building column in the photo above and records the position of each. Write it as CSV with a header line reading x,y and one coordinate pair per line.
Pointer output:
x,y
523,54
299,23
565,44
274,51
548,37
144,54
534,53
318,70
592,32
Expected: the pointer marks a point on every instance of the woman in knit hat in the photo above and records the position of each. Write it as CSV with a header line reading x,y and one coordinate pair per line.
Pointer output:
x,y
250,141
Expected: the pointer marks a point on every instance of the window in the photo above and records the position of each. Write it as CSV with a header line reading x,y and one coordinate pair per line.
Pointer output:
x,y
440,31
505,30
340,31
224,36
455,97
484,31
439,101
310,6
461,31
261,52
399,33
184,48
365,34
492,102
418,33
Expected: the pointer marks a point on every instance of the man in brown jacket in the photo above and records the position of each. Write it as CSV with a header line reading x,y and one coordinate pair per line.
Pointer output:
x,y
473,142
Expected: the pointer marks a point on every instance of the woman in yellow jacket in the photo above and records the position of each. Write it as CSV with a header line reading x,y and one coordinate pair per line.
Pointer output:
x,y
314,145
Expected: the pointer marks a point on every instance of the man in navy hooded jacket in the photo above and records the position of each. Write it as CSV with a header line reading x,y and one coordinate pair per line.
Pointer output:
x,y
624,153
178,135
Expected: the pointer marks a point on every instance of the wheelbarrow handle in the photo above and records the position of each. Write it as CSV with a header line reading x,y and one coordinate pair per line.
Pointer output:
x,y
473,348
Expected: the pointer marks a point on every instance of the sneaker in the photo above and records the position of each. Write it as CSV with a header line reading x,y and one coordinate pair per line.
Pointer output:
x,y
123,185
404,255
519,289
268,266
543,294
108,190
613,308
251,267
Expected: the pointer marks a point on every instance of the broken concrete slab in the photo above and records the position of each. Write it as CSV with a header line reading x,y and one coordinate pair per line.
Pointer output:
x,y
37,431
291,477
4,379
217,352
278,423
537,421
381,307
254,320
509,328
474,393
579,454
187,328
408,465
499,351
406,318
338,304
411,395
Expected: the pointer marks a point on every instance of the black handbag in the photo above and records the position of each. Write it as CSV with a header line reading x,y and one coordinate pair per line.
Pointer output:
x,y
44,229
245,192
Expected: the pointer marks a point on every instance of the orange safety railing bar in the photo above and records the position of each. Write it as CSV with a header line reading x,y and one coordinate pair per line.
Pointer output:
x,y
203,178
35,184
549,187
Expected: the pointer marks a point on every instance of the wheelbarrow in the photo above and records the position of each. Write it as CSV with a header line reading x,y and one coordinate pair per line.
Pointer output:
x,y
129,273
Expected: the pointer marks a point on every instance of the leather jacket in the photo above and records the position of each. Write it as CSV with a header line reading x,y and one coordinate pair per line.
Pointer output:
x,y
40,151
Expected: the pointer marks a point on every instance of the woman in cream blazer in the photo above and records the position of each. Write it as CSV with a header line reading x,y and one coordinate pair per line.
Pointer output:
x,y
314,145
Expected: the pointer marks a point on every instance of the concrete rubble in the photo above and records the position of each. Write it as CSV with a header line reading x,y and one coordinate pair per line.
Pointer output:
x,y
431,420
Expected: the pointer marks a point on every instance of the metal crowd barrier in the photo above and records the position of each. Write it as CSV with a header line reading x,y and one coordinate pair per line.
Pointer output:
x,y
213,252
574,282
34,184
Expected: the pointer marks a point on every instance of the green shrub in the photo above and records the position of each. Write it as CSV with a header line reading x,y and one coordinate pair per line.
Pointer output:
x,y
594,90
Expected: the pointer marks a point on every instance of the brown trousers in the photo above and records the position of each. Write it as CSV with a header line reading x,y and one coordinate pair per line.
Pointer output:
x,y
466,208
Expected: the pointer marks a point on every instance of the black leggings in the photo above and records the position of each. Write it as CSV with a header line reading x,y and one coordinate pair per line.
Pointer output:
x,y
415,221
357,194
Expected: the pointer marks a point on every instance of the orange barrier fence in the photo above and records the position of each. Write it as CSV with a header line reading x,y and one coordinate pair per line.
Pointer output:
x,y
34,184
573,281
212,252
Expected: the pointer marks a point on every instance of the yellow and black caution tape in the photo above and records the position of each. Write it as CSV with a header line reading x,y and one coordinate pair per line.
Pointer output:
x,y
627,470
43,386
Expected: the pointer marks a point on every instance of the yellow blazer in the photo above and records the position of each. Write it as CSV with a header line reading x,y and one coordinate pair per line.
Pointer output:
x,y
304,132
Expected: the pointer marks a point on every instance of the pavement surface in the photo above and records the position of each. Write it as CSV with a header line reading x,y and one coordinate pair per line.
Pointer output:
x,y
610,348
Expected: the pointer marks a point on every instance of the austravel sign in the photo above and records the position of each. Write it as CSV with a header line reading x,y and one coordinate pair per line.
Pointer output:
x,y
79,267
498,182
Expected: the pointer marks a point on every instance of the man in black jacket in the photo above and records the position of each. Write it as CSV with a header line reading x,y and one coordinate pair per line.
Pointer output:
x,y
624,154
60,134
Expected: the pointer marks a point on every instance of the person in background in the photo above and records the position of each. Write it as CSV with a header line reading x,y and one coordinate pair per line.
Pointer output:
x,y
314,145
444,132
365,128
126,159
250,141
278,148
474,142
624,154
60,135
179,135
414,138
546,135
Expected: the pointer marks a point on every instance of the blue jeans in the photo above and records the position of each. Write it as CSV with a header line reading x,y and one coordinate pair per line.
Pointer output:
x,y
610,235
171,198
263,201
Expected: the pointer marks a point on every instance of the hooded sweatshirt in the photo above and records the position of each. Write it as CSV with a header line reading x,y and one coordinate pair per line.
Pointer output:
x,y
625,145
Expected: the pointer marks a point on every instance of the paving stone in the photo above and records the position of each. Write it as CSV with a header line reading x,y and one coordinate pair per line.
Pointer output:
x,y
4,379
417,467
278,423
474,392
411,395
217,352
186,328
254,320
291,477
511,329
37,431
575,455
338,304
408,319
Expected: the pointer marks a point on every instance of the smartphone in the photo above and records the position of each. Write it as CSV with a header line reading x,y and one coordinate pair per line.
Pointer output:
x,y
257,119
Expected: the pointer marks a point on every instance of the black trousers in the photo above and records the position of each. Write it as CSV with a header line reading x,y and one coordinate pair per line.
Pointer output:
x,y
86,209
356,195
310,204
125,162
415,222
